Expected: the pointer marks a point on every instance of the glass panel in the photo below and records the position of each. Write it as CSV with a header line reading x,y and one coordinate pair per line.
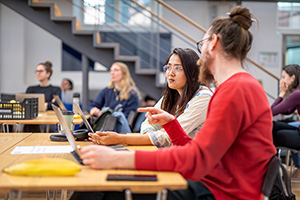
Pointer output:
x,y
292,50
288,14
94,12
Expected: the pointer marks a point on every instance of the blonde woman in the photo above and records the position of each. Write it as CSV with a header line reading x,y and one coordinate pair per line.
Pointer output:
x,y
120,91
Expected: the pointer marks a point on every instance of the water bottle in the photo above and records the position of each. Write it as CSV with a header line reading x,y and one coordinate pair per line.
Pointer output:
x,y
76,98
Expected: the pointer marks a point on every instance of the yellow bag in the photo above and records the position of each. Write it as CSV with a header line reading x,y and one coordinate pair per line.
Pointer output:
x,y
44,167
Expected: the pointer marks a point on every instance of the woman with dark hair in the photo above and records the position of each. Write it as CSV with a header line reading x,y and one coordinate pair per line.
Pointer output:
x,y
43,74
183,97
285,135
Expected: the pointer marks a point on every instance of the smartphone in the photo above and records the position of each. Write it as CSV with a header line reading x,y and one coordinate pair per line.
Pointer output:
x,y
131,177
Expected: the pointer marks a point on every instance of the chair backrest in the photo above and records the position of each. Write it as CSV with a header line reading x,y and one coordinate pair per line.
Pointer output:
x,y
277,182
270,176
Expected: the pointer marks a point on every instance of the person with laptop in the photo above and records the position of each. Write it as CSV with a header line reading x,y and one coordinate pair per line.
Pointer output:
x,y
121,95
231,153
184,96
43,74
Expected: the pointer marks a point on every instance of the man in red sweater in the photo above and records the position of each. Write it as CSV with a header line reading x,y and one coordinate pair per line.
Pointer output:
x,y
230,155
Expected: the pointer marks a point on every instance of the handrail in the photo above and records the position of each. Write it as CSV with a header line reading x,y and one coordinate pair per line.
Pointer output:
x,y
182,16
204,30
164,21
263,69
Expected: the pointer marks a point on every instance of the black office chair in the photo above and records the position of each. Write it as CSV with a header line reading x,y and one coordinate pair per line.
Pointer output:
x,y
270,177
277,182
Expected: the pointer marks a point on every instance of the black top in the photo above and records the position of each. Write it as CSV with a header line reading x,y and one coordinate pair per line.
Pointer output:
x,y
49,91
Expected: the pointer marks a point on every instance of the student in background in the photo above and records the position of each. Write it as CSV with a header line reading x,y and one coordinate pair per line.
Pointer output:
x,y
121,95
284,134
230,155
66,84
184,96
43,73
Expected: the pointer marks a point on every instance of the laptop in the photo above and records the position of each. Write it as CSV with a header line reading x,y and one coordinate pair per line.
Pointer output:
x,y
76,152
59,102
40,96
89,127
84,119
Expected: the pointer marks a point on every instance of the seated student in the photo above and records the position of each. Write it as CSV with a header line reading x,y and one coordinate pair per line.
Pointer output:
x,y
184,97
43,73
66,84
230,155
284,134
121,91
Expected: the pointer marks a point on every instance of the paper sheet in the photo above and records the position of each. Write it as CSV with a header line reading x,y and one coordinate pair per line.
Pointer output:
x,y
41,149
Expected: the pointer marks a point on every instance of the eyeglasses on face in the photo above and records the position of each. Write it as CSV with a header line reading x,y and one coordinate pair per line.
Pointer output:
x,y
175,69
200,43
39,71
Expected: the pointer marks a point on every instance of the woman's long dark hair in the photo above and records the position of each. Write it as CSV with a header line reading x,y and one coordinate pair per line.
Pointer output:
x,y
174,103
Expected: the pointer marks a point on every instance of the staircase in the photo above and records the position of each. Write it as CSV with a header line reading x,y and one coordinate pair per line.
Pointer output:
x,y
88,42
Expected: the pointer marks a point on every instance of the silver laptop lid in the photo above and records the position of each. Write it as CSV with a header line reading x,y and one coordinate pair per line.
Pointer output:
x,y
85,121
59,102
66,128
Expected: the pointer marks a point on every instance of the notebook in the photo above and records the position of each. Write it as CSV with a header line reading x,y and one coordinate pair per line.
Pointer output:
x,y
59,102
76,152
40,96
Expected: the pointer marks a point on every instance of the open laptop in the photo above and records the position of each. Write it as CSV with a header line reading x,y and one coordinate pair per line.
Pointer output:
x,y
89,127
76,152
59,102
40,96
84,119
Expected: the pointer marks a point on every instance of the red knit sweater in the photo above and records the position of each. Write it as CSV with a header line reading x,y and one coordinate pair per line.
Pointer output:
x,y
230,154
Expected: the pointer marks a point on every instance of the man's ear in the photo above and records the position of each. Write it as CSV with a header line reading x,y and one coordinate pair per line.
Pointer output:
x,y
214,41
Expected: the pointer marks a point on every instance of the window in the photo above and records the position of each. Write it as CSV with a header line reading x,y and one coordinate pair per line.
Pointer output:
x,y
99,12
288,15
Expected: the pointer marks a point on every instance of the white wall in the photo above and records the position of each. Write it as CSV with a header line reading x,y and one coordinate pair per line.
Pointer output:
x,y
23,46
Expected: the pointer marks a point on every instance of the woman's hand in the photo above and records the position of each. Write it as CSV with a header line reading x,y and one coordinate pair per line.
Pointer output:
x,y
95,111
101,157
283,88
157,116
106,138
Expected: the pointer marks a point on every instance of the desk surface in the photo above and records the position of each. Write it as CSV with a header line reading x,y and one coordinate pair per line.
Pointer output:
x,y
86,180
8,140
47,117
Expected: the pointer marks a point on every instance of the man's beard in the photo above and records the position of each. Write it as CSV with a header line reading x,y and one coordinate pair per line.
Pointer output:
x,y
205,76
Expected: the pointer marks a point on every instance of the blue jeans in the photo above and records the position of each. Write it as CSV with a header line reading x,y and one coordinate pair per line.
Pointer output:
x,y
122,124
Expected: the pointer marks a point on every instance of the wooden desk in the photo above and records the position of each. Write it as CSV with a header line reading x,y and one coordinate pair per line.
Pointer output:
x,y
47,118
86,180
8,140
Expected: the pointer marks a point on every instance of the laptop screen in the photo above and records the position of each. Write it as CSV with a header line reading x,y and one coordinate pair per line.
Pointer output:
x,y
76,152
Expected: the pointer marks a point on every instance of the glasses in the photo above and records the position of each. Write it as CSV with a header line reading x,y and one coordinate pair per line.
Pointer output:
x,y
175,69
39,71
200,43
